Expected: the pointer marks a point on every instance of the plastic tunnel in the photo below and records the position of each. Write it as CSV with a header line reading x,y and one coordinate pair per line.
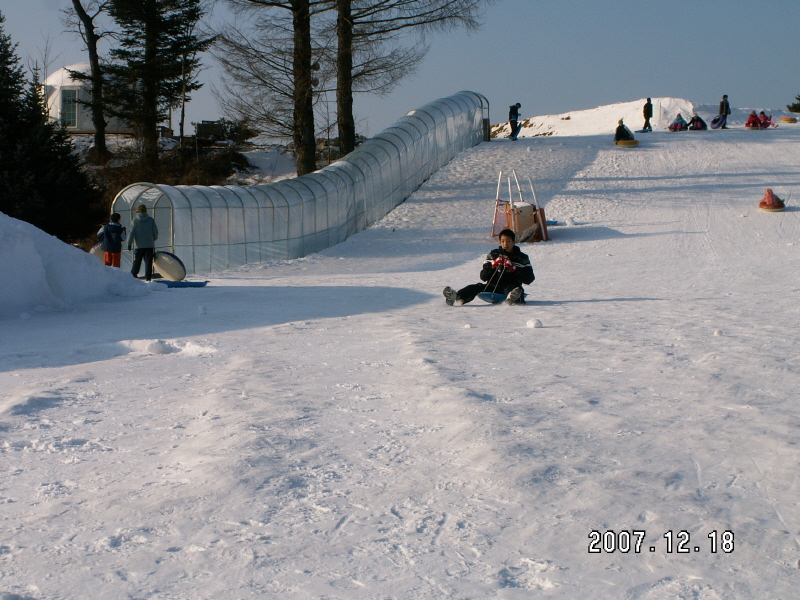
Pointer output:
x,y
219,227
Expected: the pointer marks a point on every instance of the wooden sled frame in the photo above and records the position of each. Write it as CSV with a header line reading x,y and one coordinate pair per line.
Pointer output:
x,y
528,226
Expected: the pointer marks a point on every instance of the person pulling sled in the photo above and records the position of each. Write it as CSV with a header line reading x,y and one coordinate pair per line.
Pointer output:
x,y
504,272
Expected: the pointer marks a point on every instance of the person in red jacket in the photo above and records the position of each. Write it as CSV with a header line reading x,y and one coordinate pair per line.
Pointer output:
x,y
504,271
766,121
752,121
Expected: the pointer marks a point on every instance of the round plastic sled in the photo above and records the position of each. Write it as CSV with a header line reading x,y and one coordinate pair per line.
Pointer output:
x,y
492,297
97,250
717,122
169,266
788,120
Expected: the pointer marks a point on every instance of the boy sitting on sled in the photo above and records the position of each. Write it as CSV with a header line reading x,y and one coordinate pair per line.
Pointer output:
x,y
505,270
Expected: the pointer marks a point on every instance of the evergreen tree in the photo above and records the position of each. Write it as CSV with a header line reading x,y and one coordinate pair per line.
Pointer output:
x,y
795,107
40,178
156,64
12,83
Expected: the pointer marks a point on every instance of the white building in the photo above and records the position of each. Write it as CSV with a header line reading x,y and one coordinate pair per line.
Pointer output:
x,y
63,94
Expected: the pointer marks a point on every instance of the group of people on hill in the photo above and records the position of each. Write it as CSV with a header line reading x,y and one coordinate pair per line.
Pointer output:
x,y
759,121
695,123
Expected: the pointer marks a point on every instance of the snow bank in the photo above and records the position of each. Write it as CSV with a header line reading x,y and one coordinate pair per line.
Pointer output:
x,y
603,119
269,164
42,273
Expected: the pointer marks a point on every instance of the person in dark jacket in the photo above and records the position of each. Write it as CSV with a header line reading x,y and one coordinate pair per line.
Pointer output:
x,y
513,120
504,271
724,111
696,123
144,234
111,237
622,133
647,112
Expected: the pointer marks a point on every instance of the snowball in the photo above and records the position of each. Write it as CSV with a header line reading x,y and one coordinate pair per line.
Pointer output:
x,y
467,326
718,332
535,324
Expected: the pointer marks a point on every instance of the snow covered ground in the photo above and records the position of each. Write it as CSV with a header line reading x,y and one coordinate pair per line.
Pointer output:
x,y
270,162
327,428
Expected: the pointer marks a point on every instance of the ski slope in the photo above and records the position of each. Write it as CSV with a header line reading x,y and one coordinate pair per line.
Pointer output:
x,y
327,428
600,120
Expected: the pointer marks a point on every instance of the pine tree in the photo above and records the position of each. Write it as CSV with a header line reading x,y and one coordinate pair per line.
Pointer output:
x,y
12,85
794,107
155,65
40,178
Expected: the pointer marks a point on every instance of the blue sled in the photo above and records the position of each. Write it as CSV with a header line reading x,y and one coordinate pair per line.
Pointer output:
x,y
183,284
492,297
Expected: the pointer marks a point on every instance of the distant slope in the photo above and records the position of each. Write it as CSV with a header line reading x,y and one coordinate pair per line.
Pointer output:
x,y
603,119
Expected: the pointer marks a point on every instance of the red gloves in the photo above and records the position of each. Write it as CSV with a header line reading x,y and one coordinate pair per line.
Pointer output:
x,y
503,261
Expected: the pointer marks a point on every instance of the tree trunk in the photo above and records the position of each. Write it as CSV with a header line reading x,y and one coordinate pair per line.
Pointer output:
x,y
98,105
344,77
183,101
149,78
305,146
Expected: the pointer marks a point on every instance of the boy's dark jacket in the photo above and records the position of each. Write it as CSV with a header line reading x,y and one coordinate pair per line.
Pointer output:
x,y
111,236
503,278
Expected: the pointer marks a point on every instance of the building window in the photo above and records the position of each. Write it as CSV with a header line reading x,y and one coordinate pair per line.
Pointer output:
x,y
69,108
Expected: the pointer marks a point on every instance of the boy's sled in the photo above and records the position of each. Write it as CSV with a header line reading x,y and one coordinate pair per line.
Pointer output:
x,y
717,122
492,297
628,143
169,266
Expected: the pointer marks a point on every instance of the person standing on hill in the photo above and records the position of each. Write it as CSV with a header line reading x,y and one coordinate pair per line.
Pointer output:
x,y
144,234
111,237
647,112
724,111
513,119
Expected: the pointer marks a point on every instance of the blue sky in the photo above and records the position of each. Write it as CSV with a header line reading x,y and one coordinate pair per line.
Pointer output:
x,y
552,56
